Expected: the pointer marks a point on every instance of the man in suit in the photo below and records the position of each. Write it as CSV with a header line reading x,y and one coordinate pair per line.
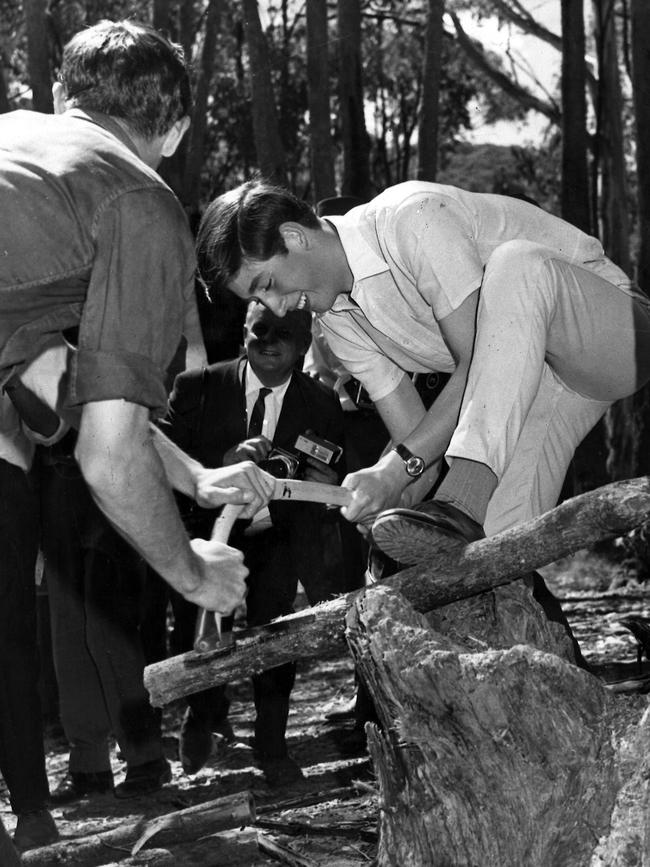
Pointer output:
x,y
212,415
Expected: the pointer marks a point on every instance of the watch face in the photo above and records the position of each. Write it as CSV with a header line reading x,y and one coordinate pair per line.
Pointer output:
x,y
415,466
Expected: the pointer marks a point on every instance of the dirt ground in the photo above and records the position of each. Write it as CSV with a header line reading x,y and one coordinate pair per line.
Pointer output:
x,y
331,817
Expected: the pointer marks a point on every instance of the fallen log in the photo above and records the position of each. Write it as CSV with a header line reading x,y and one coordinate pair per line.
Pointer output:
x,y
607,512
500,757
221,814
147,858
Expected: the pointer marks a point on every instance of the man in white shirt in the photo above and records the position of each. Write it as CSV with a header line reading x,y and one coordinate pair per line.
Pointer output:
x,y
540,332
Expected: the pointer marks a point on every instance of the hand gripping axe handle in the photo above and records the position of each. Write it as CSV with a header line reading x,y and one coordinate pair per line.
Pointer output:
x,y
208,634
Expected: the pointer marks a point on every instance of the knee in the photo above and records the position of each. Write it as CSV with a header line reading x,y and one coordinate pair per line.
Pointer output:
x,y
517,257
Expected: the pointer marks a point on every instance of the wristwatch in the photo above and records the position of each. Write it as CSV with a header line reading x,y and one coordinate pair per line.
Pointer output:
x,y
413,464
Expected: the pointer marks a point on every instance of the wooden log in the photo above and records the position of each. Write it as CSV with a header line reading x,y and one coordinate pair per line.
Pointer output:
x,y
147,858
498,758
232,811
578,523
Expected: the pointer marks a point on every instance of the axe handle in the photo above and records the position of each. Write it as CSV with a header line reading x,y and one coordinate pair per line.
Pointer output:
x,y
312,492
220,533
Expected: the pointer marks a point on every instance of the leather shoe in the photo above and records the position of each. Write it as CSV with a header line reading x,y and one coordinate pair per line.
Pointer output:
x,y
432,528
78,784
35,829
282,771
144,779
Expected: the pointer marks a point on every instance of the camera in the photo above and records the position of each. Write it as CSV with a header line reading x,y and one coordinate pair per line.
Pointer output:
x,y
319,448
285,464
281,464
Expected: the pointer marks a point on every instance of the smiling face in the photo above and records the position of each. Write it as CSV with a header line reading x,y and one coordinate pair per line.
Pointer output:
x,y
275,344
303,278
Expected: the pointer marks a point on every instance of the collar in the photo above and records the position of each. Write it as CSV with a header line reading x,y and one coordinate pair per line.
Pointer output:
x,y
106,122
252,384
363,259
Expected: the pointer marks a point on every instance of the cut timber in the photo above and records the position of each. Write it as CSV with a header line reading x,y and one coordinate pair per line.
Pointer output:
x,y
577,523
499,758
221,814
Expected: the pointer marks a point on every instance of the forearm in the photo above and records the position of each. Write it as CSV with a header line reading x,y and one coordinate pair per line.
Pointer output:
x,y
127,480
181,470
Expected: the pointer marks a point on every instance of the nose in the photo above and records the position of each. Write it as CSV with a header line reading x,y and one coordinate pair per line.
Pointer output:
x,y
277,304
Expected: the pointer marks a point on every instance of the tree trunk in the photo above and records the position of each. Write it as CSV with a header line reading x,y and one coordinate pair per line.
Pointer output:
x,y
318,92
429,114
4,98
268,144
38,55
575,176
640,10
477,568
480,752
356,146
162,17
196,142
614,211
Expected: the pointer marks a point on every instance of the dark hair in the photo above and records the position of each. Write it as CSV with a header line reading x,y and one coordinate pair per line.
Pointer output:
x,y
130,71
244,223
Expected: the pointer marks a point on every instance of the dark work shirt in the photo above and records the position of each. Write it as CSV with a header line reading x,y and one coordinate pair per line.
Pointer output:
x,y
90,236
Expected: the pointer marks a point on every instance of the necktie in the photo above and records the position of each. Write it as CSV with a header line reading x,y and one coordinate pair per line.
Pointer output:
x,y
257,415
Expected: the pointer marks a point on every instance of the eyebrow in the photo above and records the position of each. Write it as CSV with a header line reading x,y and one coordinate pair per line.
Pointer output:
x,y
257,279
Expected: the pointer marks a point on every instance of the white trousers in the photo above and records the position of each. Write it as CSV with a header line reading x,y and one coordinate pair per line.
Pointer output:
x,y
556,344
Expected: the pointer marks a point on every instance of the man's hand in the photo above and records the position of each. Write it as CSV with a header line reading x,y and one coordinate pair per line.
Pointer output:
x,y
317,471
242,484
223,584
255,449
375,488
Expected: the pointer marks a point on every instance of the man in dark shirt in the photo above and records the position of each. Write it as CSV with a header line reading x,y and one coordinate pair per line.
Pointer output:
x,y
92,238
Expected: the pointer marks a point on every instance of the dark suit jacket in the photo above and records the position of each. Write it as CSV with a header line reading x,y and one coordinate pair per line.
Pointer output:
x,y
207,416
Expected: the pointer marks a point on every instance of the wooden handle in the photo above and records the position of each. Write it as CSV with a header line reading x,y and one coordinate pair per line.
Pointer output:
x,y
205,619
312,492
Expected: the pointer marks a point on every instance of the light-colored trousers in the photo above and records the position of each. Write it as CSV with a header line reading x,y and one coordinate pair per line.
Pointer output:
x,y
556,345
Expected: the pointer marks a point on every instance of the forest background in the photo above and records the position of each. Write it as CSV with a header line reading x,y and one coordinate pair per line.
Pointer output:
x,y
346,97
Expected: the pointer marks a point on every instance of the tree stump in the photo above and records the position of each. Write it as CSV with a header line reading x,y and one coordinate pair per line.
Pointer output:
x,y
491,757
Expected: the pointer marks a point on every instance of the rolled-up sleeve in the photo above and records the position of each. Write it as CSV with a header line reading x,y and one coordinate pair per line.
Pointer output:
x,y
141,284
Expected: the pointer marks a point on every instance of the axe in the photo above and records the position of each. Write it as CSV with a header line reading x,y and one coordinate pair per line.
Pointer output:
x,y
208,636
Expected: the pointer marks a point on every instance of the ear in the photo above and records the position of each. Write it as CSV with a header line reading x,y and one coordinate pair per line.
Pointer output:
x,y
174,137
294,236
59,97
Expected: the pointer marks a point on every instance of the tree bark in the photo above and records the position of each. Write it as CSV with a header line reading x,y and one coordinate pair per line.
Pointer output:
x,y
38,55
356,146
221,814
268,143
575,175
162,16
480,752
477,568
4,99
318,94
640,13
196,142
614,211
429,114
